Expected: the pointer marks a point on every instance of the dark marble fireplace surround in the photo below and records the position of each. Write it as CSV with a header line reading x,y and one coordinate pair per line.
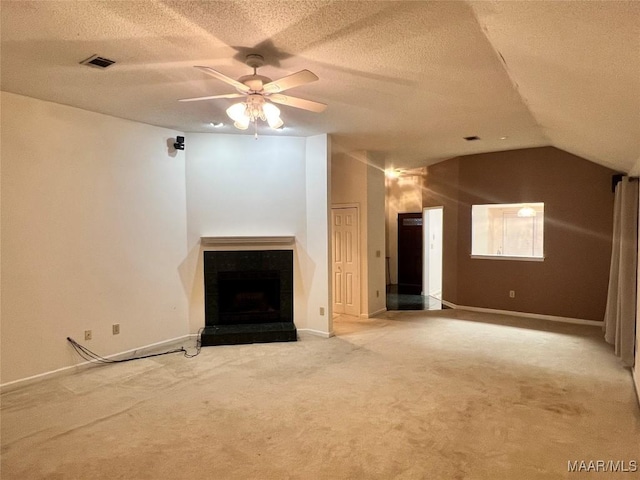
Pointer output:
x,y
248,297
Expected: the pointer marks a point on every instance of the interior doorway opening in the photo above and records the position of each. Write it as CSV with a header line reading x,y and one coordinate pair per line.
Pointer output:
x,y
411,291
410,253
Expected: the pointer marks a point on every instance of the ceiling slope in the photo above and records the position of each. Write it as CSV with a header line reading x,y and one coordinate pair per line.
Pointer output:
x,y
406,79
577,67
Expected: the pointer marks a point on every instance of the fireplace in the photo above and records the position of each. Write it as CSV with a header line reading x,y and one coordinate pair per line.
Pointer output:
x,y
248,297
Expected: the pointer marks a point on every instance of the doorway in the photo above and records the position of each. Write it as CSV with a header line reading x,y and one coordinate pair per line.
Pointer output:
x,y
410,253
419,278
345,274
432,241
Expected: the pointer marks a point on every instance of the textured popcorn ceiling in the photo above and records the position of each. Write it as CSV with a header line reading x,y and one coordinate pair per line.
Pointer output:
x,y
409,79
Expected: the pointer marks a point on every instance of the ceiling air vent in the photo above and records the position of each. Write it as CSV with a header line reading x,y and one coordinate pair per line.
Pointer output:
x,y
97,61
471,139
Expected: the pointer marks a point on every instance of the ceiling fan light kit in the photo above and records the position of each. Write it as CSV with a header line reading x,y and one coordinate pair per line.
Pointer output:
x,y
258,90
254,108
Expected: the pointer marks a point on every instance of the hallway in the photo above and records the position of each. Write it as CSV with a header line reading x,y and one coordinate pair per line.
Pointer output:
x,y
403,301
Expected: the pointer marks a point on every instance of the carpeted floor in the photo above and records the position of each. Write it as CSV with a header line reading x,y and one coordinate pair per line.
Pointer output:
x,y
411,395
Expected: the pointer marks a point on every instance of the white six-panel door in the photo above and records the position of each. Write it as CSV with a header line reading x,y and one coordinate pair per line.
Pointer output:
x,y
346,261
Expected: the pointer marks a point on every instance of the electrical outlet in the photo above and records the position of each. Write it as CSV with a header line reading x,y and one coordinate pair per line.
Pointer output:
x,y
115,328
321,310
88,335
512,294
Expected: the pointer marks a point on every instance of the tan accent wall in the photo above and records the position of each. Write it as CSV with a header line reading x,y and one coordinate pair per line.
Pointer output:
x,y
572,280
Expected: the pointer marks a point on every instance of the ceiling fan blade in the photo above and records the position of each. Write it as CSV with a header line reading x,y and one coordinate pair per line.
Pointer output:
x,y
290,81
298,102
221,76
212,97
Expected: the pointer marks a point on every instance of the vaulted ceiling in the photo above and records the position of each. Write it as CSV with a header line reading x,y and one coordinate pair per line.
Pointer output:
x,y
408,79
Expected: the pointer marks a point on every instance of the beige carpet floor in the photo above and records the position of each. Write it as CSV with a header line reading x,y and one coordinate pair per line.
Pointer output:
x,y
411,395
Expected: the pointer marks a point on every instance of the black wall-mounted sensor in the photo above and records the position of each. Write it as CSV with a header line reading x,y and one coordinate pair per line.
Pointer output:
x,y
179,143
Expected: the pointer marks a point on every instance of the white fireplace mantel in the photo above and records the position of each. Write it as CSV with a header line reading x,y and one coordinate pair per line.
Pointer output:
x,y
264,240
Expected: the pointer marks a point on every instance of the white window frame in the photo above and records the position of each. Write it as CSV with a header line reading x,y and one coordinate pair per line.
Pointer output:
x,y
514,207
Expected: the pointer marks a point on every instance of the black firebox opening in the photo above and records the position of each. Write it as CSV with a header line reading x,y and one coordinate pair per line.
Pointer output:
x,y
249,297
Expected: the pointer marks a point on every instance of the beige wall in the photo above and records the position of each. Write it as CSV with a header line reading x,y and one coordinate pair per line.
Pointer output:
x,y
636,368
572,281
635,171
376,234
403,195
358,178
93,233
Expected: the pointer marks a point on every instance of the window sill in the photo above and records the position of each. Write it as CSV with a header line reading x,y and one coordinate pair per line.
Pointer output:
x,y
506,257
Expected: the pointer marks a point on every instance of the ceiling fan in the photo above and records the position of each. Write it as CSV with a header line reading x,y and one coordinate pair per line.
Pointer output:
x,y
258,92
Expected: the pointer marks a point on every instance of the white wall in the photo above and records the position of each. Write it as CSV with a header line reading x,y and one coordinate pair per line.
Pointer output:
x,y
432,257
93,233
635,171
316,273
101,224
239,186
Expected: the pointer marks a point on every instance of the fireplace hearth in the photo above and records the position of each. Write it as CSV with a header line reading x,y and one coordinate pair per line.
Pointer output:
x,y
248,297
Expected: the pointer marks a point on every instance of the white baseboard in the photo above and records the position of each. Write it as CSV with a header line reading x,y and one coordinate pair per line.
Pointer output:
x,y
636,382
553,318
448,304
83,365
317,333
373,314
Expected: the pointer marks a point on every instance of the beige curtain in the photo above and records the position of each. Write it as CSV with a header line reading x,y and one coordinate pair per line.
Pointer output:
x,y
620,314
